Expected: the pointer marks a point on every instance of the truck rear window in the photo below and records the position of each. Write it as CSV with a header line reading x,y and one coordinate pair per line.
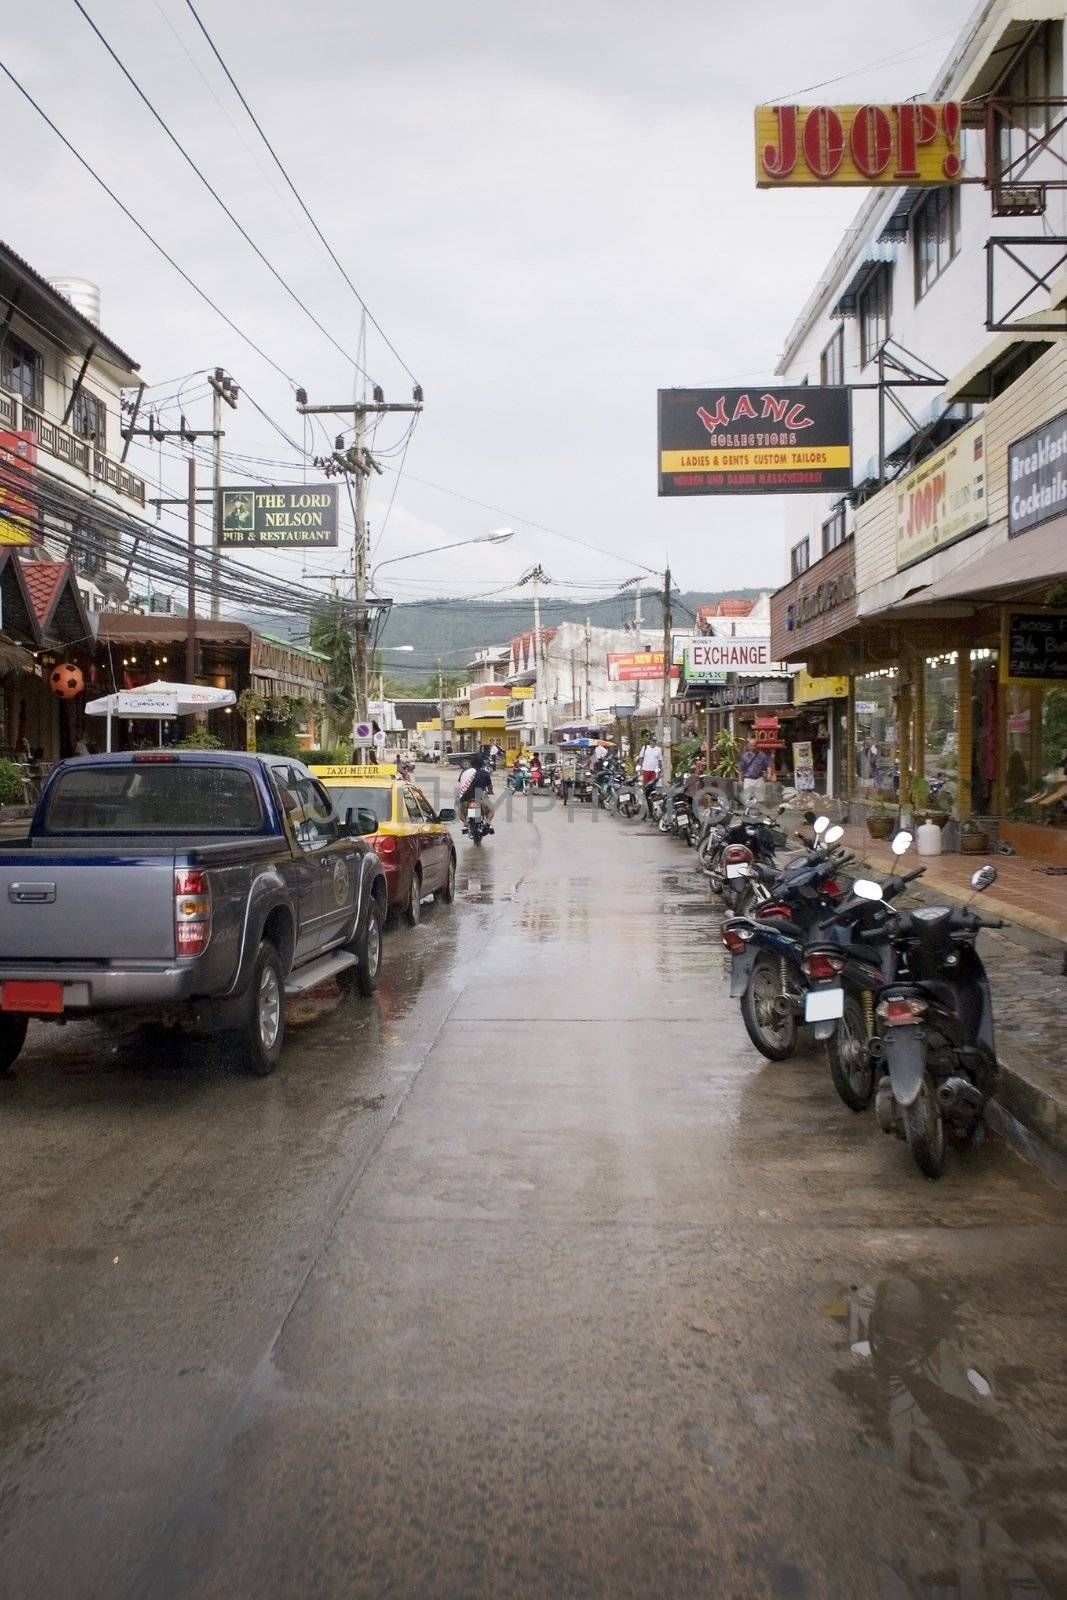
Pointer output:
x,y
154,799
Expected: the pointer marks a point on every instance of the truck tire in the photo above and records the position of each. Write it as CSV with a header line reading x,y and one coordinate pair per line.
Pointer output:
x,y
12,1038
367,949
264,1032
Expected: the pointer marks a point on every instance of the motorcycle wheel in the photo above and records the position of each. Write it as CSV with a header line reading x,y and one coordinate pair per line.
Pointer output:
x,y
851,1067
924,1130
774,1034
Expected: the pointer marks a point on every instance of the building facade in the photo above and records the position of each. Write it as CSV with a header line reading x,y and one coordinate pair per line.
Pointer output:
x,y
936,589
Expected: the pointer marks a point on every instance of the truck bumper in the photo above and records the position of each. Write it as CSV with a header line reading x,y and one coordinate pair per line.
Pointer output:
x,y
89,989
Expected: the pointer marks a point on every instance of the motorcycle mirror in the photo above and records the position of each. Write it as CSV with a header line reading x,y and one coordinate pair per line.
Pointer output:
x,y
901,844
983,878
867,889
832,835
821,824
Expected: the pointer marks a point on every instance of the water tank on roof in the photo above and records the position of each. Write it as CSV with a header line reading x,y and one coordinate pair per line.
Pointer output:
x,y
83,296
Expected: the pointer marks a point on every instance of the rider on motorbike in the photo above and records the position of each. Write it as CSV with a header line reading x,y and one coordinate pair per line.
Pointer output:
x,y
476,783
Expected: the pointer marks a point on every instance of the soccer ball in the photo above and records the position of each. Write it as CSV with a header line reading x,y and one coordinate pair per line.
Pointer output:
x,y
66,681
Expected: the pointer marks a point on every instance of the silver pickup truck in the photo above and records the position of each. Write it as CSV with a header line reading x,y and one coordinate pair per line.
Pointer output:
x,y
194,888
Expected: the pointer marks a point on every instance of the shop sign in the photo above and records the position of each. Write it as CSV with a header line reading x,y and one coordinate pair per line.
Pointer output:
x,y
1037,476
728,654
524,692
943,500
916,143
287,517
817,602
806,688
803,766
757,692
1033,647
18,472
698,666
755,441
638,666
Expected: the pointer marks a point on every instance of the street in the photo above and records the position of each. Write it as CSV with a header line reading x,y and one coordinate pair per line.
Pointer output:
x,y
528,1277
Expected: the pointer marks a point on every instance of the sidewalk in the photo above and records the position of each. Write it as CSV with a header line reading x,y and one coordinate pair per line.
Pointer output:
x,y
1025,963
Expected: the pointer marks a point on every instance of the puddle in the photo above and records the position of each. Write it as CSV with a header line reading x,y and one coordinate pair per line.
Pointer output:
x,y
935,1411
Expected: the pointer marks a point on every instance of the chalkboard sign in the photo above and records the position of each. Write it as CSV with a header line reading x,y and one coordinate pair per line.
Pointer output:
x,y
1034,647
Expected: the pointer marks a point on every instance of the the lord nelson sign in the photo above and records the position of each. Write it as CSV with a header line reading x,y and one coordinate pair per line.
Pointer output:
x,y
290,516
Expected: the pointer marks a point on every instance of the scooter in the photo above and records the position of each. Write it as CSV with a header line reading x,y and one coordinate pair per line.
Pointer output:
x,y
934,1026
767,948
844,975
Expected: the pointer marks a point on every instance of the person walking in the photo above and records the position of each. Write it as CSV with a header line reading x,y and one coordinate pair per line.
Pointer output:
x,y
754,765
649,761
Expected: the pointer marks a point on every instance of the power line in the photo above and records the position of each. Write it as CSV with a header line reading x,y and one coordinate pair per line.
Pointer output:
x,y
153,241
299,198
213,192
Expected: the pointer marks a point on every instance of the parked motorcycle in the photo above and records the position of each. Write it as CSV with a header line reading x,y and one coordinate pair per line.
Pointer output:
x,y
934,1026
731,860
844,974
767,948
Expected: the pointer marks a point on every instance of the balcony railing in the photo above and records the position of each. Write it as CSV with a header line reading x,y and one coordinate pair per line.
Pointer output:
x,y
79,453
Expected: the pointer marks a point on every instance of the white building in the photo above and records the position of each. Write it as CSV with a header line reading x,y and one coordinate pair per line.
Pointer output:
x,y
61,382
912,269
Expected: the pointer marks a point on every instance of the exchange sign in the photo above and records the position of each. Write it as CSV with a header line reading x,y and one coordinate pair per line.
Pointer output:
x,y
754,441
914,144
291,516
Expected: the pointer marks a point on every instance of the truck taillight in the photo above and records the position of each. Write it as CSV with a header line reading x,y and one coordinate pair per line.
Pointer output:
x,y
820,967
192,911
902,1011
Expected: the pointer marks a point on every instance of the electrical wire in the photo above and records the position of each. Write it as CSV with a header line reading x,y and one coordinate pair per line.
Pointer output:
x,y
296,193
213,192
949,33
153,241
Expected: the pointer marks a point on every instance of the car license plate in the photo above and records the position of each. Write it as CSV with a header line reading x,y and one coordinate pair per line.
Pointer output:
x,y
26,996
738,869
824,1005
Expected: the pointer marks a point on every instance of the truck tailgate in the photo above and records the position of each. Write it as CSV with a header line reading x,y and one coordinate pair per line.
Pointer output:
x,y
85,906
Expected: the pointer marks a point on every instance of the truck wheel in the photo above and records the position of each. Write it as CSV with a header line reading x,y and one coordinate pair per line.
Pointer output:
x,y
265,1029
367,949
12,1038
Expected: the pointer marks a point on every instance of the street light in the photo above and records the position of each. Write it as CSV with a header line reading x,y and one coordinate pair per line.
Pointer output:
x,y
501,536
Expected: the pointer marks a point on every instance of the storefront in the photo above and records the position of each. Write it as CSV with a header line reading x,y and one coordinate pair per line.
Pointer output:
x,y
813,622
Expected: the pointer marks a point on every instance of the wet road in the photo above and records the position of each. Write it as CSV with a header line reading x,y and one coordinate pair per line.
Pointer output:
x,y
529,1278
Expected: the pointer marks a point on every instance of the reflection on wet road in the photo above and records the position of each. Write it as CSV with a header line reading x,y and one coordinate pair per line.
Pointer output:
x,y
527,1278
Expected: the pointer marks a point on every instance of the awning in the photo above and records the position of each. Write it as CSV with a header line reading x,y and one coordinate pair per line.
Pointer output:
x,y
485,724
879,253
15,661
1039,556
137,628
974,381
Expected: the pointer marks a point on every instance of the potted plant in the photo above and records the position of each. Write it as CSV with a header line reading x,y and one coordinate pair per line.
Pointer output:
x,y
936,807
881,818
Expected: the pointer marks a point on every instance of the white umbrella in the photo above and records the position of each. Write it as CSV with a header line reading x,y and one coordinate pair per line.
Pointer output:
x,y
160,701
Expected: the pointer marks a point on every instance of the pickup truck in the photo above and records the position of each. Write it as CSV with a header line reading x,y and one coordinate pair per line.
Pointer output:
x,y
194,888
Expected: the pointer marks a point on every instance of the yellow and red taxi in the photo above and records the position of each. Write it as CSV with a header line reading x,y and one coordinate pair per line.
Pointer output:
x,y
411,840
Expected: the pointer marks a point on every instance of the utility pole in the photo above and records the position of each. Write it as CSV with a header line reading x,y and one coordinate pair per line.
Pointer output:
x,y
441,706
191,663
222,388
587,713
537,576
359,463
668,651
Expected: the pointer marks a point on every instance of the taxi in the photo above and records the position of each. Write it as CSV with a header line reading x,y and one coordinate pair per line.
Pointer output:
x,y
411,840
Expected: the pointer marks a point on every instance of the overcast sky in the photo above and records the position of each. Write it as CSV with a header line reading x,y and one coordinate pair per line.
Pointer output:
x,y
550,209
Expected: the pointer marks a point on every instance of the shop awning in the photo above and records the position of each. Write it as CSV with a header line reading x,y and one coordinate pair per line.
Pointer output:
x,y
1039,556
974,381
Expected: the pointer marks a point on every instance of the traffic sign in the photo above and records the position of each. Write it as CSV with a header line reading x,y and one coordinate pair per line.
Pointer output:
x,y
362,733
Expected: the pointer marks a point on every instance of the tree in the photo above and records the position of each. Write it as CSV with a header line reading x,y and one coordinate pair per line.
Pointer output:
x,y
330,632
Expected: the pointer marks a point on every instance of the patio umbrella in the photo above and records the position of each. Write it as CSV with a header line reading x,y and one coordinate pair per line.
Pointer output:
x,y
160,701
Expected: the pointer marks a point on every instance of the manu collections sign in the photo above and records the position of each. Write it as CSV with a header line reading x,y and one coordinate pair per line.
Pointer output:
x,y
755,441
943,499
291,516
1037,476
913,144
